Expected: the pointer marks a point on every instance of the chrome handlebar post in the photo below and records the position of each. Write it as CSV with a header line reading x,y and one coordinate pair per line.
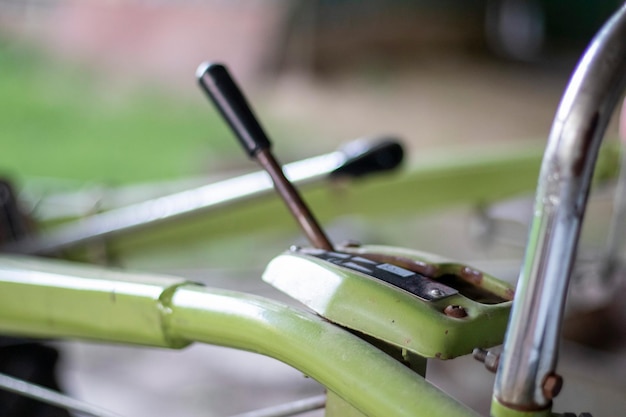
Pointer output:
x,y
531,346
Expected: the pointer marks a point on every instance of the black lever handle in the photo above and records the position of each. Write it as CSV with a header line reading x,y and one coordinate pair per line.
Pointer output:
x,y
366,156
221,88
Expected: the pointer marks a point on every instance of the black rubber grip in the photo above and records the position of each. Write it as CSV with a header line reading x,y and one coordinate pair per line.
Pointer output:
x,y
364,157
221,88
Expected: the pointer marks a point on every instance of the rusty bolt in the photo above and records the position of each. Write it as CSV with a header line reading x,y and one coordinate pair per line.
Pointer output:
x,y
552,385
455,311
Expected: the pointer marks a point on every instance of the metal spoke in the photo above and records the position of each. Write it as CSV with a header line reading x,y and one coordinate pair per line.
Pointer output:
x,y
52,397
288,409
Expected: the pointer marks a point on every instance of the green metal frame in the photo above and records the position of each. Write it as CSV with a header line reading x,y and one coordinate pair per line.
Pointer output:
x,y
389,314
45,298
430,182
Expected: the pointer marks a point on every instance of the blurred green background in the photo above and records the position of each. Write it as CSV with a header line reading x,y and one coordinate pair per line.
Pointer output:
x,y
104,92
60,121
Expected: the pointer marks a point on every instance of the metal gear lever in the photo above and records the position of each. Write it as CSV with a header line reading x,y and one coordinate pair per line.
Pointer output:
x,y
227,97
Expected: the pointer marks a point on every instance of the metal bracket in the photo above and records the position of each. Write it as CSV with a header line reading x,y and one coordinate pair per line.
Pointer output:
x,y
417,284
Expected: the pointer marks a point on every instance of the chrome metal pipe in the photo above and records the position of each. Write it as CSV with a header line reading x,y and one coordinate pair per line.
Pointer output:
x,y
531,346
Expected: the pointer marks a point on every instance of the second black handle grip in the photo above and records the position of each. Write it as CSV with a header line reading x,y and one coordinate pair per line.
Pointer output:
x,y
216,81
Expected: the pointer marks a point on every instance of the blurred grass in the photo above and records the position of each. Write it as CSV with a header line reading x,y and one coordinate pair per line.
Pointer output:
x,y
58,121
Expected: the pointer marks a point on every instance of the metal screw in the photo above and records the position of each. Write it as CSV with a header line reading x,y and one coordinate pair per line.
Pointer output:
x,y
552,385
435,292
490,358
455,311
480,354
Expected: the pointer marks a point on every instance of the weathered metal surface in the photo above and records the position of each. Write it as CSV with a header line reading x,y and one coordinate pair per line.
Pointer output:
x,y
390,314
45,298
552,385
417,284
364,376
490,357
42,298
296,205
532,342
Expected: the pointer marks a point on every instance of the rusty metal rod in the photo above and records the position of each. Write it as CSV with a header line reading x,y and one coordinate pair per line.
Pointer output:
x,y
294,202
221,88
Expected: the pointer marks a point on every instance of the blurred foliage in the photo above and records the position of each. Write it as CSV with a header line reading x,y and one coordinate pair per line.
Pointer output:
x,y
59,121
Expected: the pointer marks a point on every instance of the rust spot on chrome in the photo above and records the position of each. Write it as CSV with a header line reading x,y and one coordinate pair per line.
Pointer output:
x,y
552,385
579,163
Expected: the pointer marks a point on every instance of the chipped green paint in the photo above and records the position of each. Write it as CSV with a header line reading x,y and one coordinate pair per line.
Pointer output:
x,y
44,298
386,313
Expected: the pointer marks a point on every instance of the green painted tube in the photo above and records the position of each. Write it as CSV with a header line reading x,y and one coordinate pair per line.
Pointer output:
x,y
50,298
356,371
500,410
45,298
